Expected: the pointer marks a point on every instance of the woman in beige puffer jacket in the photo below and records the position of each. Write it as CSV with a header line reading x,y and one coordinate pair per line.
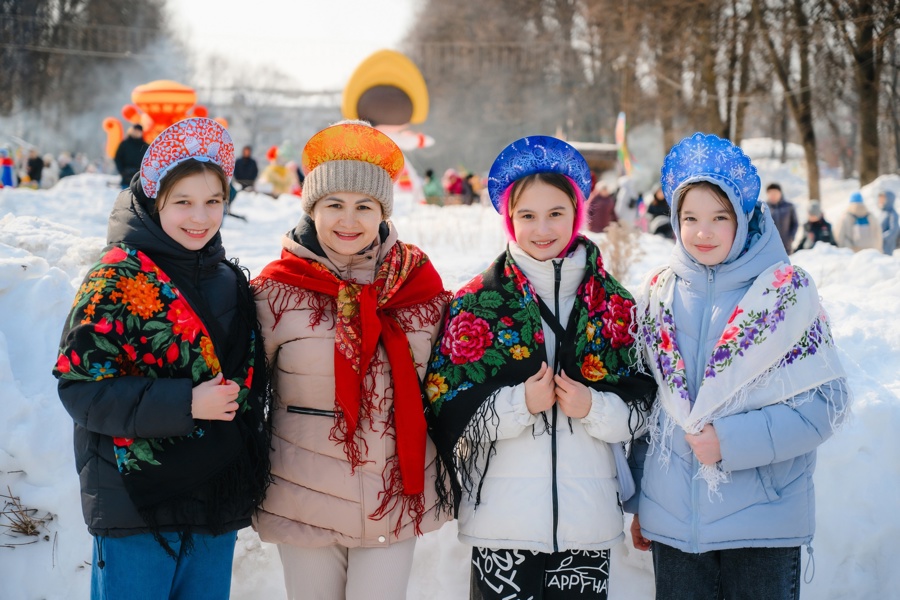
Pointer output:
x,y
348,499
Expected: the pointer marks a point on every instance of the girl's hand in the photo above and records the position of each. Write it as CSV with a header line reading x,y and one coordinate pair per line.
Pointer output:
x,y
637,538
574,398
705,445
539,395
215,400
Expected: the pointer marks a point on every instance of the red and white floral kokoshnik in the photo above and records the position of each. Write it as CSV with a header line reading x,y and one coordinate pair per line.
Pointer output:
x,y
776,347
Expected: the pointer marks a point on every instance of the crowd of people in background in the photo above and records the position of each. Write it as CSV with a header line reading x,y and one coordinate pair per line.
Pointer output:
x,y
453,188
610,201
21,168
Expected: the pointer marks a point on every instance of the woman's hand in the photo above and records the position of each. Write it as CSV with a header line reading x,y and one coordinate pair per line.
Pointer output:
x,y
215,400
637,538
574,398
705,445
539,390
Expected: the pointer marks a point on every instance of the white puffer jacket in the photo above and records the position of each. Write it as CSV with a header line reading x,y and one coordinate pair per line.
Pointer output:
x,y
517,494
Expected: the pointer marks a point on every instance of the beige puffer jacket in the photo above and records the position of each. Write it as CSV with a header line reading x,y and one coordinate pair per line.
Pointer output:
x,y
314,500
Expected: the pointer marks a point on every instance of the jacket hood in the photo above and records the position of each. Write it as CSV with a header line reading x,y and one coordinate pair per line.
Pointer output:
x,y
889,198
743,219
759,248
131,222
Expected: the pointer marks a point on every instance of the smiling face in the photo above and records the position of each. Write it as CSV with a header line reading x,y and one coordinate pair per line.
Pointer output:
x,y
347,222
543,217
707,226
192,209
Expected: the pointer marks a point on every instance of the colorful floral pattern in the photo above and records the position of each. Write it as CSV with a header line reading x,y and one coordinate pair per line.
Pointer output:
x,y
745,329
127,319
496,325
739,335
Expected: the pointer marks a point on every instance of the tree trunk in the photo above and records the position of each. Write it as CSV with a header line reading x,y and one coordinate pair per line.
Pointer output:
x,y
808,137
712,116
867,60
741,100
799,100
785,127
867,89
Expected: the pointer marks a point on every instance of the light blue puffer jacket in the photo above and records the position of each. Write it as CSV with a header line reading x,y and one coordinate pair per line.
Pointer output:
x,y
771,452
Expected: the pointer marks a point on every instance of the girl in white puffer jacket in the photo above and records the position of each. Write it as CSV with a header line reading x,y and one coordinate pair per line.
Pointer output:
x,y
532,389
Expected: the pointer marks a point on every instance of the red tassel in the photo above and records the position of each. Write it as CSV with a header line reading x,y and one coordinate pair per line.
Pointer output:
x,y
392,496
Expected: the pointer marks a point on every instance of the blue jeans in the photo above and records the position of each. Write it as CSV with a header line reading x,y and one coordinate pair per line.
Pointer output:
x,y
738,574
138,568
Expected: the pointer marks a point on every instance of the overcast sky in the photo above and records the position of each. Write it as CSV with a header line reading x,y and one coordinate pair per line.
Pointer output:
x,y
318,42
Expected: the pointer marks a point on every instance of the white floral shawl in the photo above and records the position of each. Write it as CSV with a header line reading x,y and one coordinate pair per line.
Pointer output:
x,y
776,347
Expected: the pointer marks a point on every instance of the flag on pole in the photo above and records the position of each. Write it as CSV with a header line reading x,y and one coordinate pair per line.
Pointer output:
x,y
624,155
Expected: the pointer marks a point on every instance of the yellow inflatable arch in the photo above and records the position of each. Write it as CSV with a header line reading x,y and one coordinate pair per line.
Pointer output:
x,y
386,89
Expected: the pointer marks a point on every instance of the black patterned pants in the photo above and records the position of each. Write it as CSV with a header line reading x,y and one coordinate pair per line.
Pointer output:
x,y
526,575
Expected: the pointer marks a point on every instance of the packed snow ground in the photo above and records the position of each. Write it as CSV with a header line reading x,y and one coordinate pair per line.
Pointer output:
x,y
49,238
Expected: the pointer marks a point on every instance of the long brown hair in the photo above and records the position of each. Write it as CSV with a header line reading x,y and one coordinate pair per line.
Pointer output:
x,y
186,169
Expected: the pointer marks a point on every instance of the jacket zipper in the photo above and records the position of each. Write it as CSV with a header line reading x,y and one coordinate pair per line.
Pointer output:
x,y
698,379
557,279
302,410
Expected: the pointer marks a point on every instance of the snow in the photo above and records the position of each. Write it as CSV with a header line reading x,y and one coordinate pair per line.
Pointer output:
x,y
49,238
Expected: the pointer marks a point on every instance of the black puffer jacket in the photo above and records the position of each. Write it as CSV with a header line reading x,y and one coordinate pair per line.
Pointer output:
x,y
128,158
142,406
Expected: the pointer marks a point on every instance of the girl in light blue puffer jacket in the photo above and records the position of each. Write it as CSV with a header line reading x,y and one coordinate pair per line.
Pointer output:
x,y
749,385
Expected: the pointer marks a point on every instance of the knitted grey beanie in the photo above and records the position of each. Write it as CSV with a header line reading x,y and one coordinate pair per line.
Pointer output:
x,y
348,176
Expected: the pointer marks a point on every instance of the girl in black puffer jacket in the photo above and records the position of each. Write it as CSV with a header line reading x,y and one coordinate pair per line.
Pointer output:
x,y
161,367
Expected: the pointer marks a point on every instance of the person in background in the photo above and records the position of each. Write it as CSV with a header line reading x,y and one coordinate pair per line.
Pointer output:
x,y
349,314
245,169
432,188
51,172
34,168
858,228
129,154
65,165
890,228
816,228
750,384
453,187
7,169
161,367
629,202
468,194
275,179
784,214
601,208
534,377
658,214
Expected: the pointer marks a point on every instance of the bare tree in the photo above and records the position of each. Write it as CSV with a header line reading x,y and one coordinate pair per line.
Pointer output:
x,y
794,17
48,46
865,27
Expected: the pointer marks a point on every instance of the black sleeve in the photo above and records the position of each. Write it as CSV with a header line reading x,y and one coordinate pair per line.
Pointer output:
x,y
131,407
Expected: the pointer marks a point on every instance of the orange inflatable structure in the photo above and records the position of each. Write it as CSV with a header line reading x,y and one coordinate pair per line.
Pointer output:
x,y
155,106
388,90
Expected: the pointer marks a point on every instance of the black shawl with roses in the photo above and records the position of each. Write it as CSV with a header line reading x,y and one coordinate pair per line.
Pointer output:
x,y
492,337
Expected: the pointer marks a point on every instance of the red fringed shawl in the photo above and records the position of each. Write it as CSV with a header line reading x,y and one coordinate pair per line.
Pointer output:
x,y
365,316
